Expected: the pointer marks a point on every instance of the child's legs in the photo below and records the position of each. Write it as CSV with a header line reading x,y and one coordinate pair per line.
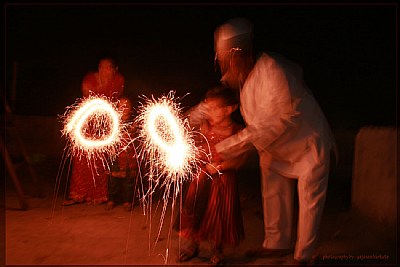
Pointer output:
x,y
193,208
127,188
113,186
196,196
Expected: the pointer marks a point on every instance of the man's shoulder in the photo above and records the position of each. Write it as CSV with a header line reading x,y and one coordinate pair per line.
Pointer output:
x,y
266,61
282,60
273,60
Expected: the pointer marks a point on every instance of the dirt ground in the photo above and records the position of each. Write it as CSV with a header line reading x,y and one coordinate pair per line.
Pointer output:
x,y
48,233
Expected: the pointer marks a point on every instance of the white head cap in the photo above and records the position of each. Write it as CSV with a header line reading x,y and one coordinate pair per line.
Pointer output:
x,y
235,33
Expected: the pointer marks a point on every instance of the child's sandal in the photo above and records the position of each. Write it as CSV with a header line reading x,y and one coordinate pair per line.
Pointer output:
x,y
216,260
110,205
188,254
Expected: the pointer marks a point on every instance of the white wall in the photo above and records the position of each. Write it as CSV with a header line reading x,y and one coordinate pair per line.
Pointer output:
x,y
374,181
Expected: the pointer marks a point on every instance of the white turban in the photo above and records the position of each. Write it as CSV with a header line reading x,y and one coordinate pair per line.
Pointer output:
x,y
235,33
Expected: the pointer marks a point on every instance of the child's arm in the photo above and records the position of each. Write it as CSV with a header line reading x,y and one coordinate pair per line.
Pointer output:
x,y
231,164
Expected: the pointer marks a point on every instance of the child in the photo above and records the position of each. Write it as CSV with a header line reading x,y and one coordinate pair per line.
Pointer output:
x,y
125,168
211,209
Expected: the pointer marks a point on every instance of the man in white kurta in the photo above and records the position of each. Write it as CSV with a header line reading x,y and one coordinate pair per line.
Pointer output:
x,y
287,127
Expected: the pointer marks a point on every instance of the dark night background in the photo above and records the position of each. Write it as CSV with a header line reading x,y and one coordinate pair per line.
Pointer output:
x,y
348,52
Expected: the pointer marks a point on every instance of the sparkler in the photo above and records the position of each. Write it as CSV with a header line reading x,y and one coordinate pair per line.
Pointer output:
x,y
167,140
94,127
167,144
95,132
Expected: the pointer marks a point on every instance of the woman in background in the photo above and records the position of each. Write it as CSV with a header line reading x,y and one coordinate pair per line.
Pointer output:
x,y
88,182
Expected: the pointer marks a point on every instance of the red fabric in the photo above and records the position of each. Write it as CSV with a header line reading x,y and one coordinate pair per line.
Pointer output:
x,y
211,210
113,89
88,180
89,177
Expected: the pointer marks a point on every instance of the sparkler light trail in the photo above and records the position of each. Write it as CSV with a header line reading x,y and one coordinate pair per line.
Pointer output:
x,y
76,122
168,147
167,139
170,144
94,127
165,143
95,133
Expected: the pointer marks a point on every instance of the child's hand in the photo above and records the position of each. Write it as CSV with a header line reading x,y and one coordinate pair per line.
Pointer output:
x,y
213,168
203,152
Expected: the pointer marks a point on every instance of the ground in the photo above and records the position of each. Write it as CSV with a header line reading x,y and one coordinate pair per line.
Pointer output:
x,y
47,233
50,234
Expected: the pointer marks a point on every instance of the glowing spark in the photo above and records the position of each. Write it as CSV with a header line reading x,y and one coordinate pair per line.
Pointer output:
x,y
81,116
176,152
167,138
94,127
168,146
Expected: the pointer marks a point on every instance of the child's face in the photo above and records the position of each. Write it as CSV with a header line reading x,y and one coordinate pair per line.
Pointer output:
x,y
217,111
126,108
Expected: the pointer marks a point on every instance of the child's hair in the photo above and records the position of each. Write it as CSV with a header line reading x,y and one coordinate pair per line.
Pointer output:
x,y
225,93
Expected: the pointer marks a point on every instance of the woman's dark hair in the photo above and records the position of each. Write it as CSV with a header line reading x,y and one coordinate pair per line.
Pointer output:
x,y
109,56
111,60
